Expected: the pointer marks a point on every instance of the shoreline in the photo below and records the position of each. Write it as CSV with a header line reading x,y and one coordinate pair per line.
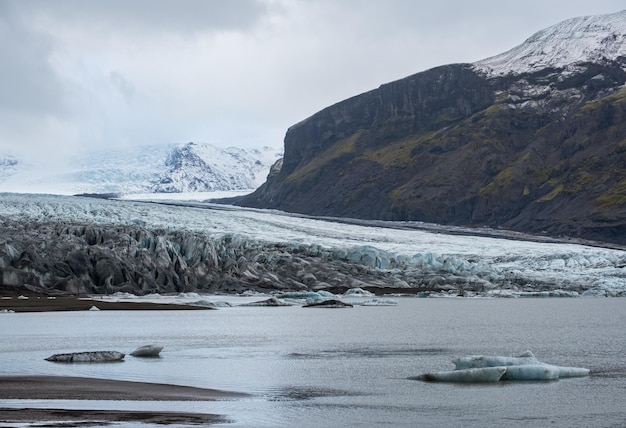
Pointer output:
x,y
79,388
22,300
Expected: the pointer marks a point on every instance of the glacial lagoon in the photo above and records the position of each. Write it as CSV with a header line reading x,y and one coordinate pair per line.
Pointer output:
x,y
313,367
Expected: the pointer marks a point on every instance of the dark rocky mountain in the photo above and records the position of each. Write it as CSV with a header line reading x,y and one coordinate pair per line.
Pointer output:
x,y
532,140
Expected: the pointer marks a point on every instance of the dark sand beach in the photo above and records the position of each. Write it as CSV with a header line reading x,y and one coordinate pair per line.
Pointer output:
x,y
27,301
77,388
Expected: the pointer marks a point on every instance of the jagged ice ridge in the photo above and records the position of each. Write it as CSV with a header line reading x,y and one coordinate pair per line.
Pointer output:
x,y
105,246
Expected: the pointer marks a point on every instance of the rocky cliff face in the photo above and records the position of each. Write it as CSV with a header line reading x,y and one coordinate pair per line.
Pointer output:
x,y
534,143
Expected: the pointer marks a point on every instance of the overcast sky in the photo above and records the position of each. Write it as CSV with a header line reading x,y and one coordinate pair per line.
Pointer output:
x,y
78,74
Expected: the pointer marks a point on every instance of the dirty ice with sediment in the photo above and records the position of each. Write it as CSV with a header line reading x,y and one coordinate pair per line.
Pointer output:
x,y
488,266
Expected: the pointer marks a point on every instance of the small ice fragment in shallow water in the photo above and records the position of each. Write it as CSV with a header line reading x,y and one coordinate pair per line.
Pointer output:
x,y
358,292
147,351
87,357
376,302
484,374
302,295
94,308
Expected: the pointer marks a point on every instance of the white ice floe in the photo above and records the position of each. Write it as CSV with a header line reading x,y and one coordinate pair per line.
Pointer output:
x,y
358,292
477,361
530,372
376,302
523,367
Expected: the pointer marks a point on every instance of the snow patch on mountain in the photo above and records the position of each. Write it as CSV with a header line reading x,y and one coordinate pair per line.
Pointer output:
x,y
190,167
596,39
204,168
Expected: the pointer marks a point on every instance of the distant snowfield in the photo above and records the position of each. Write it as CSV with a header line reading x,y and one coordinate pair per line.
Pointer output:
x,y
185,196
494,260
171,169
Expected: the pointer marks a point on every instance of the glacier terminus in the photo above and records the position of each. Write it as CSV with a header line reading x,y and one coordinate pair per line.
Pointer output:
x,y
94,246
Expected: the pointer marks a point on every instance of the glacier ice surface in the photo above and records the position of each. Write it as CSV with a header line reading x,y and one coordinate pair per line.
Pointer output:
x,y
275,248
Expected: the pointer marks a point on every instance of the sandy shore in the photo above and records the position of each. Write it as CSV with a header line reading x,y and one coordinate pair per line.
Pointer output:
x,y
25,301
51,418
77,388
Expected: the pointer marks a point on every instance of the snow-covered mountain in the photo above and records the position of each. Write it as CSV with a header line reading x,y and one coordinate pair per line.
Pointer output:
x,y
190,167
590,39
529,140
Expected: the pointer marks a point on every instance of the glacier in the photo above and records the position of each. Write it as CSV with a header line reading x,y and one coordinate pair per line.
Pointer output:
x,y
93,246
175,168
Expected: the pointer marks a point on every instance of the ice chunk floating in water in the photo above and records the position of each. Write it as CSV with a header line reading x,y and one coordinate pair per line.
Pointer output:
x,y
150,351
523,367
87,357
476,361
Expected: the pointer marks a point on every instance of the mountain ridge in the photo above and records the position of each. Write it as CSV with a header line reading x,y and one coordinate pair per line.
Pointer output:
x,y
540,149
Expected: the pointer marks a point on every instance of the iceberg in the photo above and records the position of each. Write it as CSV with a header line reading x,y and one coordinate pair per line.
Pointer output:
x,y
377,302
572,372
358,292
208,304
87,357
521,367
306,295
477,361
149,351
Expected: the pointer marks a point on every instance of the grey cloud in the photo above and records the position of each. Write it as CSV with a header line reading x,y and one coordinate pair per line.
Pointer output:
x,y
183,16
122,85
28,83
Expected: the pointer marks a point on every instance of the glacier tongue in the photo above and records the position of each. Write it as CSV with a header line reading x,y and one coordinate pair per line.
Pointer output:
x,y
85,245
575,41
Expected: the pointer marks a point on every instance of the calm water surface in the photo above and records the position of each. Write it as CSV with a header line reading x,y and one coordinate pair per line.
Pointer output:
x,y
346,367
